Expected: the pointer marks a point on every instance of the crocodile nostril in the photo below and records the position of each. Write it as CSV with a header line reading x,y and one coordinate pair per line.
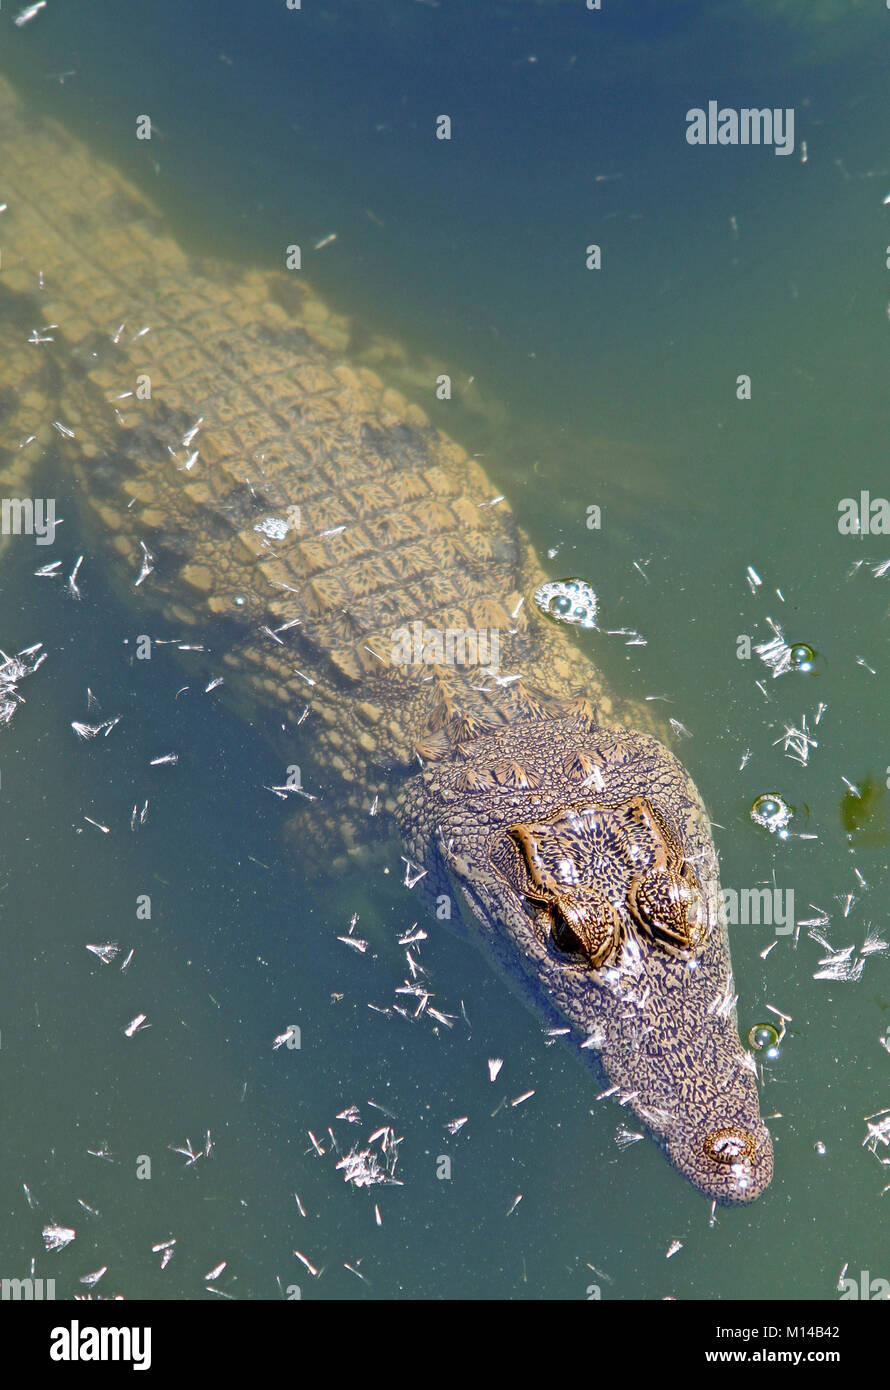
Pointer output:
x,y
729,1145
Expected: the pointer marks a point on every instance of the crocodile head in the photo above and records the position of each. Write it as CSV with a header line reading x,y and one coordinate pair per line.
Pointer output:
x,y
584,858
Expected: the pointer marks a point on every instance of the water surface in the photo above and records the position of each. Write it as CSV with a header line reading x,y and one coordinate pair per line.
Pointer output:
x,y
614,388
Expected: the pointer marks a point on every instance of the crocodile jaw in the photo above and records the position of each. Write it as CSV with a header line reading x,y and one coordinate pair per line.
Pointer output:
x,y
659,1022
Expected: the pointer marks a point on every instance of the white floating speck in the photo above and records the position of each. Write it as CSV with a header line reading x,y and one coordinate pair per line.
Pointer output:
x,y
624,1138
672,1249
105,952
356,942
73,590
413,873
88,731
494,1066
91,1280
275,528
215,1272
191,1155
135,1025
147,565
57,1237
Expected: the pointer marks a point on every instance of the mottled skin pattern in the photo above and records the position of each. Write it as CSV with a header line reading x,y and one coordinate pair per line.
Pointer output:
x,y
581,852
661,1024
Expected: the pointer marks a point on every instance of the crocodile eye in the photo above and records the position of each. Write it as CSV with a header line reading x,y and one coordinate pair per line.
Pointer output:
x,y
669,907
566,938
584,923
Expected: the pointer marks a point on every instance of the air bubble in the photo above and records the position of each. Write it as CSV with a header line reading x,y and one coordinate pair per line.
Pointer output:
x,y
773,813
568,601
763,1037
803,658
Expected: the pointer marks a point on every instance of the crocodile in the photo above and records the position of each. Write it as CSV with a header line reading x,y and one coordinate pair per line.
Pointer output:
x,y
250,481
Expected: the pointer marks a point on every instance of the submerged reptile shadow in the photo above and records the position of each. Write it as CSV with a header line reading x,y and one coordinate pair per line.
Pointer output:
x,y
266,481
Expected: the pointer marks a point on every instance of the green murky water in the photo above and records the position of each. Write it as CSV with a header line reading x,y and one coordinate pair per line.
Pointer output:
x,y
614,388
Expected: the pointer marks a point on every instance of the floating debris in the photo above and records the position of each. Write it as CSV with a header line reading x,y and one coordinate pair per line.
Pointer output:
x,y
91,1280
147,564
165,1249
455,1126
274,528
304,1260
568,601
365,1167
188,1153
57,1237
797,742
413,872
672,1249
73,590
878,1132
106,952
25,17
164,759
88,731
13,670
838,964
624,1138
355,942
494,1067
136,1025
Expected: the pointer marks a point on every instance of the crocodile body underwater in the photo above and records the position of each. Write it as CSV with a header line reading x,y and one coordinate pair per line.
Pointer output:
x,y
286,508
